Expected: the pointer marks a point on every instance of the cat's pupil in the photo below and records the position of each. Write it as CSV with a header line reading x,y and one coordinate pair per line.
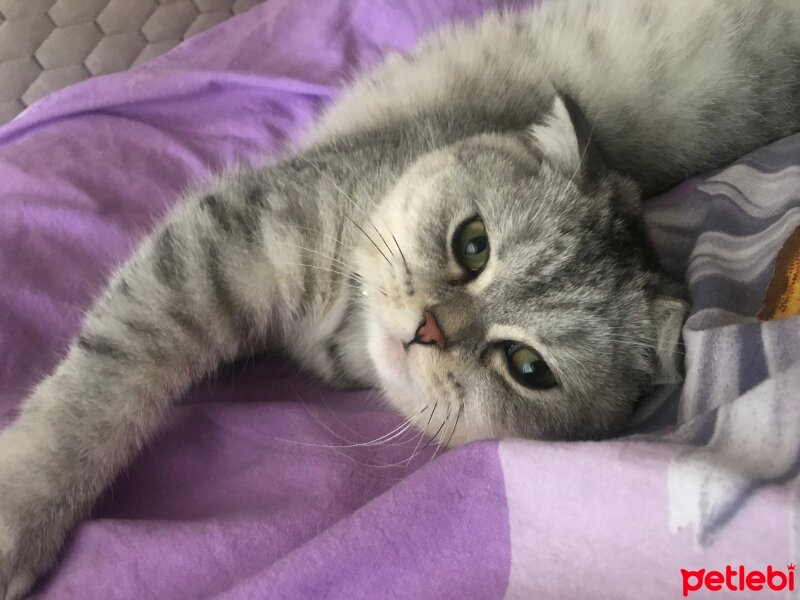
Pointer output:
x,y
528,367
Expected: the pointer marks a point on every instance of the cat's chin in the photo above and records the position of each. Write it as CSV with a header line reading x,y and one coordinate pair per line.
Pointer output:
x,y
394,365
404,375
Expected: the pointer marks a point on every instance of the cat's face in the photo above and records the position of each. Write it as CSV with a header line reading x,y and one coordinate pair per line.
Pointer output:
x,y
538,300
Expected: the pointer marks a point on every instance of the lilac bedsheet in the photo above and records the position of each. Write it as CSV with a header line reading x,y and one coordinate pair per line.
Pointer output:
x,y
243,497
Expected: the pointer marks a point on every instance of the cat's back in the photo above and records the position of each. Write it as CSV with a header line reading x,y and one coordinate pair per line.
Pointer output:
x,y
679,86
666,72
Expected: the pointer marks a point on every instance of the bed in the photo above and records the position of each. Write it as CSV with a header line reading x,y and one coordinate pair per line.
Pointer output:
x,y
249,494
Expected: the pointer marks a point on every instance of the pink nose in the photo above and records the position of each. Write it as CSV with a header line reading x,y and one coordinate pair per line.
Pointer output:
x,y
430,332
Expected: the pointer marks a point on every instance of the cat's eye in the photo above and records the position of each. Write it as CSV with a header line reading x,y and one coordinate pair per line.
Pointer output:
x,y
528,367
471,246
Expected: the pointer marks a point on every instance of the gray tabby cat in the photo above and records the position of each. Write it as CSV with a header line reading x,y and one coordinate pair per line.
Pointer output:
x,y
461,230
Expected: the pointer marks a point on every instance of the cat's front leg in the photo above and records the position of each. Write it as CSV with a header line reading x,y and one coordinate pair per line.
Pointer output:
x,y
203,288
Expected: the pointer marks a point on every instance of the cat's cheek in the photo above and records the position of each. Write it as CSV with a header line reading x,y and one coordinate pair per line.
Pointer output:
x,y
394,354
390,359
388,356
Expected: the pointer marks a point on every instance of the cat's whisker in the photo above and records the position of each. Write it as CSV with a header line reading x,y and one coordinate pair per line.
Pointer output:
x,y
628,342
632,342
438,431
404,426
382,479
331,412
423,430
356,285
403,463
321,233
347,457
352,202
340,451
361,229
348,274
390,441
403,256
583,155
405,262
331,180
319,421
418,449
455,426
322,254
323,425
380,235
403,442
378,442
439,442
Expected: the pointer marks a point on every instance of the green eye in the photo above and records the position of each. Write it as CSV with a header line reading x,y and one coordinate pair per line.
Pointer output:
x,y
471,245
527,367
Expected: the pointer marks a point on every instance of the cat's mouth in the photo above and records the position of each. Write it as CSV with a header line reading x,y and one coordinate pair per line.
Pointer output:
x,y
397,360
398,351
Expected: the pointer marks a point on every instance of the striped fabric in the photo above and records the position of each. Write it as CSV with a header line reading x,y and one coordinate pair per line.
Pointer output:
x,y
740,403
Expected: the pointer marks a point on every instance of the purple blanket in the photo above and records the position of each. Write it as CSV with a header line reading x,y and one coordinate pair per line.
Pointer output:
x,y
250,493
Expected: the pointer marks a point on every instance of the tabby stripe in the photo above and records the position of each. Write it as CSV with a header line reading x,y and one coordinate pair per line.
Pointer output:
x,y
170,268
224,297
150,334
96,344
249,221
218,211
188,323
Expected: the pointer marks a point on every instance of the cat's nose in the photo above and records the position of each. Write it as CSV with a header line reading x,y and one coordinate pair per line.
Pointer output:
x,y
430,332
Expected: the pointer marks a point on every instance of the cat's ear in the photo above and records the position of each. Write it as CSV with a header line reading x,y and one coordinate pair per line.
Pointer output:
x,y
668,316
564,138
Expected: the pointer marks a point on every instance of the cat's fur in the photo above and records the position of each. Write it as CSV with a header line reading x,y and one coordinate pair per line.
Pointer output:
x,y
541,122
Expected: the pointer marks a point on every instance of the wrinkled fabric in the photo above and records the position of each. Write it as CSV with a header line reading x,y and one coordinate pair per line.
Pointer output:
x,y
249,492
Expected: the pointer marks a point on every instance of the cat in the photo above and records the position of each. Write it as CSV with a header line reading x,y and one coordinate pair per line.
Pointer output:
x,y
462,229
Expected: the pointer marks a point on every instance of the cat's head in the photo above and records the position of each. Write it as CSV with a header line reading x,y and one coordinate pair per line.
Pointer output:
x,y
511,290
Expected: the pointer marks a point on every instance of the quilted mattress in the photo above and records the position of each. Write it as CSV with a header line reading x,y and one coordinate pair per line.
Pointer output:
x,y
46,45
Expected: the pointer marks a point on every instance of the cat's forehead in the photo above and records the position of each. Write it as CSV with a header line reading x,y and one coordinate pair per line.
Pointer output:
x,y
513,189
542,228
562,271
563,311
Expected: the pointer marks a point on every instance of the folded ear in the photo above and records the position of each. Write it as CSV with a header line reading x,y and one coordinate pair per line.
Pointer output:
x,y
668,316
564,137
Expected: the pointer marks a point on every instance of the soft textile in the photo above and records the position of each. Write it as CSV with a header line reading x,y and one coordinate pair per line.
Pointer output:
x,y
246,496
46,45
